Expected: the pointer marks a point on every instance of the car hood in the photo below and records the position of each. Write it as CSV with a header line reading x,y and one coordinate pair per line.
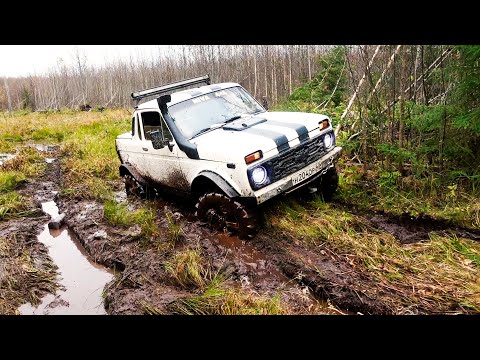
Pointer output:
x,y
271,132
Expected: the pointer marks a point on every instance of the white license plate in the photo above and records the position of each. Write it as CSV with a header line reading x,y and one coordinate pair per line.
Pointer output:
x,y
307,172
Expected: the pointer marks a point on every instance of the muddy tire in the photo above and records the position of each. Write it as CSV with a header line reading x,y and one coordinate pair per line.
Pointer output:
x,y
133,187
220,212
329,184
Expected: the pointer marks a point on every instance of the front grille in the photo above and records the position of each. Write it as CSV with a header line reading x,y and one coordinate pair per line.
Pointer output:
x,y
296,158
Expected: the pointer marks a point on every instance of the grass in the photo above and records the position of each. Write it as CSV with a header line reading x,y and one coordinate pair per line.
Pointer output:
x,y
28,161
10,180
216,299
22,278
439,275
429,196
13,204
87,141
175,231
119,214
186,269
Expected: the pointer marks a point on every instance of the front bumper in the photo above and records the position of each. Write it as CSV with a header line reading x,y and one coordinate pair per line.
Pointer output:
x,y
287,184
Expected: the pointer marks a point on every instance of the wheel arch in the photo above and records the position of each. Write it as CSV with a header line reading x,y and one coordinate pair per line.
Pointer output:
x,y
209,180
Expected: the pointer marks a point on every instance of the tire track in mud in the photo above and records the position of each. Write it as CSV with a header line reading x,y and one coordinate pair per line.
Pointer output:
x,y
408,229
143,279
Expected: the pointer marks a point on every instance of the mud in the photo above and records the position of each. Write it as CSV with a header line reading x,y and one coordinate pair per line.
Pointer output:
x,y
144,284
408,229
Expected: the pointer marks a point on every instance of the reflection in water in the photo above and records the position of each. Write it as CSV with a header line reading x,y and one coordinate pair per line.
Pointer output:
x,y
82,279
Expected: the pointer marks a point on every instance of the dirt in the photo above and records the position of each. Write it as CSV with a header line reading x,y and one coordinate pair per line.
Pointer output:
x,y
144,283
408,229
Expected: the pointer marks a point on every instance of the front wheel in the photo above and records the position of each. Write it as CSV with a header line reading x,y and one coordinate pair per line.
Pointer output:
x,y
133,187
221,212
328,184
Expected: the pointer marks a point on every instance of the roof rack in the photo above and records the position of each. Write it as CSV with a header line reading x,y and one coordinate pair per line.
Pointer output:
x,y
138,95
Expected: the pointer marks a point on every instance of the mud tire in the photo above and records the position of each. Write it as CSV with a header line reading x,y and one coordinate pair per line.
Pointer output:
x,y
220,212
133,187
328,184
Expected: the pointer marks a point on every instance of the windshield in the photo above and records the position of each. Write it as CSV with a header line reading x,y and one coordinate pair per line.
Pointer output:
x,y
202,112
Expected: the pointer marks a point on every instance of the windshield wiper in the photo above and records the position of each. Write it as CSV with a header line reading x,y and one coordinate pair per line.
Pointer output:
x,y
233,118
213,127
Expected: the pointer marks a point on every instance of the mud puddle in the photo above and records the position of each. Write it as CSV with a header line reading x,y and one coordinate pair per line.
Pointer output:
x,y
261,272
82,280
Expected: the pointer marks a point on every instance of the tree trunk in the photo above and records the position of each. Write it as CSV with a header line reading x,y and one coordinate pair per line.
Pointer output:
x,y
352,99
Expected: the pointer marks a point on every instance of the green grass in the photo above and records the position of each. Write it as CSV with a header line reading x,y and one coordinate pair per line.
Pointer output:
x,y
10,180
383,191
119,214
437,275
13,204
87,140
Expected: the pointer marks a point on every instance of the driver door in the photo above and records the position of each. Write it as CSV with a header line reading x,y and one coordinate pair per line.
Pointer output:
x,y
160,165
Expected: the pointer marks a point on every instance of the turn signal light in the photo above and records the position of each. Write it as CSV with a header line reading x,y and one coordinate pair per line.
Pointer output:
x,y
323,124
253,157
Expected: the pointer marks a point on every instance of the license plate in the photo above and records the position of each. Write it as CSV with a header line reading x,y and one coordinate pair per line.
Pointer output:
x,y
307,172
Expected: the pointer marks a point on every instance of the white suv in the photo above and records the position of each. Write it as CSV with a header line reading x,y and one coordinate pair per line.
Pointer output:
x,y
217,143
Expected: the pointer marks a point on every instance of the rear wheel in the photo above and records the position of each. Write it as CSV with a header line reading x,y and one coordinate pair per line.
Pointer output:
x,y
328,184
221,212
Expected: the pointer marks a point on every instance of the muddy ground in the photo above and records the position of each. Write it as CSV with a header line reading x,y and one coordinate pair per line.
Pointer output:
x,y
27,273
308,280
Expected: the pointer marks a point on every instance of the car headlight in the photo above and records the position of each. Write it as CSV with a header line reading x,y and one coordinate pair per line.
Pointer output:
x,y
259,176
328,140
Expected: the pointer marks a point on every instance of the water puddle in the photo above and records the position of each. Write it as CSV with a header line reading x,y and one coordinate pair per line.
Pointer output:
x,y
6,157
82,279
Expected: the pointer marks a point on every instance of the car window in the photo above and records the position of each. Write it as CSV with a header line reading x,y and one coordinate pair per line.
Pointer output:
x,y
152,121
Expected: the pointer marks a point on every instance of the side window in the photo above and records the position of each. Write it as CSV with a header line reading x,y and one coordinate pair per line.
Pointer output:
x,y
133,126
138,127
167,135
151,122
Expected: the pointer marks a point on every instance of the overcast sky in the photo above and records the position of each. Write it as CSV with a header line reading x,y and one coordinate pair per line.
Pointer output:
x,y
23,60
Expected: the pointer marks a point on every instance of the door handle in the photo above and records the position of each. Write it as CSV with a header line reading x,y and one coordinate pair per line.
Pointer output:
x,y
144,149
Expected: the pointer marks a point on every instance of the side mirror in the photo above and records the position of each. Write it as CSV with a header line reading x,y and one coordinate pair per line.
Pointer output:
x,y
157,139
158,142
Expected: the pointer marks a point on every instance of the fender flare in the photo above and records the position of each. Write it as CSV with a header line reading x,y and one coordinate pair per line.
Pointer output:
x,y
125,169
219,181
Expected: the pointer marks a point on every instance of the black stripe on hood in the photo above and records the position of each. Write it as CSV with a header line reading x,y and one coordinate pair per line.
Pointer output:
x,y
301,130
280,139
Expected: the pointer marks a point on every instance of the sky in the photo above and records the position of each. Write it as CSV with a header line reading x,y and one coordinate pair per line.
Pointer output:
x,y
24,60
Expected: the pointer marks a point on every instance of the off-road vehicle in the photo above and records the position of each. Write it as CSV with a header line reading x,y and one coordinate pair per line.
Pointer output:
x,y
218,144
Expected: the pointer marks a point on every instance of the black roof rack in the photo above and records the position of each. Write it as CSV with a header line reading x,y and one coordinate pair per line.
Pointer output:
x,y
140,94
